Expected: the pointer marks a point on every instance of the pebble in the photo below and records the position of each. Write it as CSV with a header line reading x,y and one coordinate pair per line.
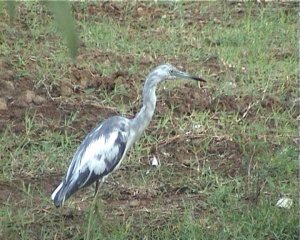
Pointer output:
x,y
3,104
38,99
134,203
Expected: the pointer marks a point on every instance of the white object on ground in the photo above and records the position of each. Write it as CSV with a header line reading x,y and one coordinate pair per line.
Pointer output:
x,y
284,202
154,161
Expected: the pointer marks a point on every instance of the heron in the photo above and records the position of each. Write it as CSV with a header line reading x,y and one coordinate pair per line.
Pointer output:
x,y
104,148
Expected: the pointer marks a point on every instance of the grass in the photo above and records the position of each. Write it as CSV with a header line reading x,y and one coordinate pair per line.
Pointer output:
x,y
228,150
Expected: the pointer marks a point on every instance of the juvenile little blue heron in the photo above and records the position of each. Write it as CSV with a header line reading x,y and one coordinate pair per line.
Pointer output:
x,y
104,148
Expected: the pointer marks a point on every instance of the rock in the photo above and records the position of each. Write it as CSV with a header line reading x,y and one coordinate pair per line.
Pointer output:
x,y
140,11
25,99
134,203
39,99
3,104
66,88
9,86
6,88
29,96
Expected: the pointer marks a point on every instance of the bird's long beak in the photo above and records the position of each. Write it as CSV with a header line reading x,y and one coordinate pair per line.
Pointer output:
x,y
185,75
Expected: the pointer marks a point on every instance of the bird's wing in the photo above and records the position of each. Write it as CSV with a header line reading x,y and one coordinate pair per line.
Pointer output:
x,y
99,154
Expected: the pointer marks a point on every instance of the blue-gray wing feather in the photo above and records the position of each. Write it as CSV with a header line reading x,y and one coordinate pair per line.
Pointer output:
x,y
87,176
97,156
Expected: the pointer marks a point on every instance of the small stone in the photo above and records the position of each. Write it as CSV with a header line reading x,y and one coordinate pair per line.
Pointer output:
x,y
3,104
66,88
6,88
9,86
29,96
134,203
25,99
39,99
140,11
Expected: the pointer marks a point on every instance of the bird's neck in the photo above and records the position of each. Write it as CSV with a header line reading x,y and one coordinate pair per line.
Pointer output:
x,y
144,116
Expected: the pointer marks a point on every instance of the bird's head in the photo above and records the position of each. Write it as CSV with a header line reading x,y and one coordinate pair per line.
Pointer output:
x,y
168,72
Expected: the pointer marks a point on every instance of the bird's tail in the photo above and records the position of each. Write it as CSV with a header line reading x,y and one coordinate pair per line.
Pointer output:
x,y
61,194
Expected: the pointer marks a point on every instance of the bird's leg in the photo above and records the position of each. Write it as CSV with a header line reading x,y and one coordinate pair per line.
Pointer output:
x,y
96,188
95,204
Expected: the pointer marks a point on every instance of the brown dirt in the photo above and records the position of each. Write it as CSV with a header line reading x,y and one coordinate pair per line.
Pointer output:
x,y
204,99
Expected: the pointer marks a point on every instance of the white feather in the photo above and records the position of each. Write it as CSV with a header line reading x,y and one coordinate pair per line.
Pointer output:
x,y
56,191
112,153
100,146
96,165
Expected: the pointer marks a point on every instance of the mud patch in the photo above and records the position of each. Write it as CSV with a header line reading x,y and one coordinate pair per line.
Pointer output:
x,y
204,99
18,97
226,157
222,155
